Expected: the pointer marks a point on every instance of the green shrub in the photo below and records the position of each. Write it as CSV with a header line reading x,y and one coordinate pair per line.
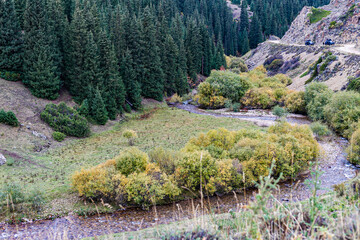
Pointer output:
x,y
275,65
239,64
228,84
317,14
320,130
58,136
64,119
36,198
343,111
131,160
130,135
8,118
354,85
317,96
127,108
279,112
354,148
10,76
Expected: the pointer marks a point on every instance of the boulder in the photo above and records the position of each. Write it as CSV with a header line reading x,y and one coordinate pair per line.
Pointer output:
x,y
2,159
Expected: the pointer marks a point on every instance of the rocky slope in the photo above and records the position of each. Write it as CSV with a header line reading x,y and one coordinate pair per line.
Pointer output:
x,y
342,25
298,60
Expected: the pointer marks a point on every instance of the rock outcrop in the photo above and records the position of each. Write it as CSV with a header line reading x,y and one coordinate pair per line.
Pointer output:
x,y
2,159
342,25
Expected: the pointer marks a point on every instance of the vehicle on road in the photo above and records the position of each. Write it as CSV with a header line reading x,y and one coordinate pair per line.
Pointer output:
x,y
329,42
309,42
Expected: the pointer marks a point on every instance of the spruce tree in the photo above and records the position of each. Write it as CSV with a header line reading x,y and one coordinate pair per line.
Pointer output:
x,y
170,65
152,81
98,109
128,74
40,69
11,43
244,42
255,35
244,17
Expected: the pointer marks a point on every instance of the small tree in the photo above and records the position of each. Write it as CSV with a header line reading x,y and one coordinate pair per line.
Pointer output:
x,y
279,112
130,135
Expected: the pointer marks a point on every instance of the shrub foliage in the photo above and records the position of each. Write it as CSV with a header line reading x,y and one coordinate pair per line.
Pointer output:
x,y
66,120
219,161
8,118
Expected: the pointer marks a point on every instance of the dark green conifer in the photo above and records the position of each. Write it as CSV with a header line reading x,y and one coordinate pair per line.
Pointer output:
x,y
255,35
11,39
98,109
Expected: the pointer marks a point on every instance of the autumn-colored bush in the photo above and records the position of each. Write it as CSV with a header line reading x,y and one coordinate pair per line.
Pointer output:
x,y
295,102
218,161
354,148
130,135
195,170
95,182
259,98
209,96
175,98
131,160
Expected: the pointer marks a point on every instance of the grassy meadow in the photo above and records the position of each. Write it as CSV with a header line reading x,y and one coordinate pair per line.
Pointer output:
x,y
49,173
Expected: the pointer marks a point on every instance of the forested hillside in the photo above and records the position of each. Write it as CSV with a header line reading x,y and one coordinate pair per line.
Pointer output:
x,y
273,17
110,53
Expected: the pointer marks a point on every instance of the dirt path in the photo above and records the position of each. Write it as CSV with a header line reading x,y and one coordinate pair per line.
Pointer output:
x,y
332,162
345,48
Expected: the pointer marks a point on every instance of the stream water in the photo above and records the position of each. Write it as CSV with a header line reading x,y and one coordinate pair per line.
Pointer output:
x,y
332,162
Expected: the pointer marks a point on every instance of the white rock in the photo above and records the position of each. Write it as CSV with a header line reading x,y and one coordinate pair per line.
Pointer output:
x,y
2,159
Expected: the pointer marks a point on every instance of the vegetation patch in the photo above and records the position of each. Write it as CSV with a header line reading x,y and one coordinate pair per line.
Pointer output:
x,y
219,161
317,15
10,76
8,118
66,120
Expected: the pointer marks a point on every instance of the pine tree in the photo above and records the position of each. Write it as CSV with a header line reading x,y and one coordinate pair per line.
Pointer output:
x,y
244,17
255,35
98,109
152,81
40,69
128,74
11,43
170,65
244,42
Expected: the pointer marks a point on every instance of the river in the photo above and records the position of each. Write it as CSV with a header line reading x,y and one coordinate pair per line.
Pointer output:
x,y
332,163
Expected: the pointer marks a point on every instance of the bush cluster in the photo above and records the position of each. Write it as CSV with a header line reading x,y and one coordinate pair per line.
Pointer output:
x,y
218,161
66,120
253,89
8,118
59,136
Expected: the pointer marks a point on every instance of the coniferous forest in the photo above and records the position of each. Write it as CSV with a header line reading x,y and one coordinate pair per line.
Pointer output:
x,y
110,53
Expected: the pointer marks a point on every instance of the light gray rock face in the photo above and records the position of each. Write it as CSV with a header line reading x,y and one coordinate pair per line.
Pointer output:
x,y
342,25
2,159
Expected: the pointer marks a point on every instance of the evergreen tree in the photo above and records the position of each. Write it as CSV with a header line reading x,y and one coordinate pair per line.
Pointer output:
x,y
40,69
152,81
170,65
11,43
133,89
244,17
255,35
244,42
98,109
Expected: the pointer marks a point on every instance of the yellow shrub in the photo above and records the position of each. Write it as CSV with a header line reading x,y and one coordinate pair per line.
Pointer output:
x,y
259,98
261,69
131,160
295,102
94,182
283,79
175,98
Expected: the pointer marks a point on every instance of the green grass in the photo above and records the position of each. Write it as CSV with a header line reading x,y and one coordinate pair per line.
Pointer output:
x,y
166,127
317,15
